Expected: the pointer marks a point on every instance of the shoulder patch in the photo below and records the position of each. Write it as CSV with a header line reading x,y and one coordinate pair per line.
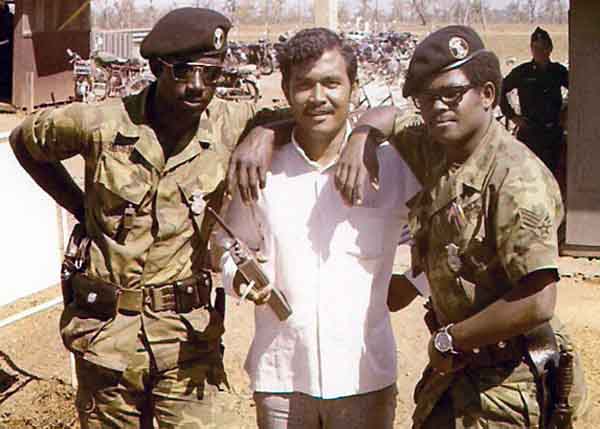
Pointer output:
x,y
532,221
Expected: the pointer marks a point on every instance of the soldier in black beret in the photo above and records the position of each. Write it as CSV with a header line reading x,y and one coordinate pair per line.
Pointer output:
x,y
187,31
444,50
478,235
138,311
539,84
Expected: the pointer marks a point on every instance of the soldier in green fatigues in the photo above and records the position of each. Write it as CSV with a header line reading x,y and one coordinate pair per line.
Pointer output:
x,y
139,316
484,230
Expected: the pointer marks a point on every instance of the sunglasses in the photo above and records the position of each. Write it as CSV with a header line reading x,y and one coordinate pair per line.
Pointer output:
x,y
450,95
185,72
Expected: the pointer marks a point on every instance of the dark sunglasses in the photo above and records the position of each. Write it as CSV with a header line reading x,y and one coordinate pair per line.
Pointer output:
x,y
450,95
184,72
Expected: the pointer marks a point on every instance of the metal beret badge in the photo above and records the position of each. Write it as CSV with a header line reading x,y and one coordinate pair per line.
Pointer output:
x,y
219,38
459,48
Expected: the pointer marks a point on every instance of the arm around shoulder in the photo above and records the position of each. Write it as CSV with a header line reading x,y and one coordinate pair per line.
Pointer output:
x,y
252,157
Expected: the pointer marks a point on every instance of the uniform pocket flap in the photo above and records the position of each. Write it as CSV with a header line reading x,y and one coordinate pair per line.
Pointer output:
x,y
127,181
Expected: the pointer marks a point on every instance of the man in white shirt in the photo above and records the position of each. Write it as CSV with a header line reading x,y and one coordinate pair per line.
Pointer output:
x,y
332,363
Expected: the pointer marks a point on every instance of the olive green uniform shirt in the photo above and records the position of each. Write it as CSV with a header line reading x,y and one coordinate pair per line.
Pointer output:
x,y
139,210
479,228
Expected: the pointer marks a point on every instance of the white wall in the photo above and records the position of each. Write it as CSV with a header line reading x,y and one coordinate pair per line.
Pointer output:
x,y
30,238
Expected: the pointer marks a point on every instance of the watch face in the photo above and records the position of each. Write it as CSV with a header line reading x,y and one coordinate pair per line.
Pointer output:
x,y
442,342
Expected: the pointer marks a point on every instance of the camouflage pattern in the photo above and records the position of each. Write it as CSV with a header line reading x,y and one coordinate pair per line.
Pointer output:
x,y
479,227
138,211
180,398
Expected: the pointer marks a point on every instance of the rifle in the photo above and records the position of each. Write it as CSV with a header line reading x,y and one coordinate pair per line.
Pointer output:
x,y
252,272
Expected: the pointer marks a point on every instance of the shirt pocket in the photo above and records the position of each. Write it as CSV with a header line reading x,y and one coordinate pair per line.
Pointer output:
x,y
120,187
362,234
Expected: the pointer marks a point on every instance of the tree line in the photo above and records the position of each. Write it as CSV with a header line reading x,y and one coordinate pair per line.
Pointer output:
x,y
119,14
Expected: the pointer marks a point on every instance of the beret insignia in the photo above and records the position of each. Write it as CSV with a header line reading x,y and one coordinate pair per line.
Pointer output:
x,y
219,38
459,48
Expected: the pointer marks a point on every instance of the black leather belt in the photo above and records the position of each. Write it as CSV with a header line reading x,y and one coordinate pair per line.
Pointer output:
x,y
506,352
107,299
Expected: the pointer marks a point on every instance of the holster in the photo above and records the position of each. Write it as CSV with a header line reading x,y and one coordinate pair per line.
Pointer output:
x,y
98,298
73,261
542,355
561,415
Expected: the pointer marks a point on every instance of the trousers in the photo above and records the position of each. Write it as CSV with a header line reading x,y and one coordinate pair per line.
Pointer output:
x,y
300,411
141,397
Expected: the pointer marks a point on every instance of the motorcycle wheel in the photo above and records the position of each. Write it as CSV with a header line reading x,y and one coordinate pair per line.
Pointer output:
x,y
249,91
99,91
266,65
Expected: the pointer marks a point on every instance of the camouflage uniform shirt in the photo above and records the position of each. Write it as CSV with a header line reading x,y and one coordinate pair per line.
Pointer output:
x,y
139,211
479,228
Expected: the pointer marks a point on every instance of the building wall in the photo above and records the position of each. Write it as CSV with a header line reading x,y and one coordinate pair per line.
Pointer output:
x,y
31,237
122,43
583,182
43,32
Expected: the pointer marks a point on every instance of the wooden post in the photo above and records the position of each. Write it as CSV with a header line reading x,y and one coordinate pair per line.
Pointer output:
x,y
326,14
30,92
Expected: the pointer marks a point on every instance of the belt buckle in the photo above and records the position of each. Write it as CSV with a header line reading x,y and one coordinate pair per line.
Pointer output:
x,y
130,300
159,300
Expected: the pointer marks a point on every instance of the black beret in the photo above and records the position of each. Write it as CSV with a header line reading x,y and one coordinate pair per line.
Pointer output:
x,y
541,34
188,30
443,50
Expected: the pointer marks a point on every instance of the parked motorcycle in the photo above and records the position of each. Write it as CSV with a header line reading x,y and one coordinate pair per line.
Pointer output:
x,y
105,75
238,84
123,76
87,87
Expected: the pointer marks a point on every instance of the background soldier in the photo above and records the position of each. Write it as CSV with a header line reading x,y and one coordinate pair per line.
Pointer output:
x,y
538,83
138,317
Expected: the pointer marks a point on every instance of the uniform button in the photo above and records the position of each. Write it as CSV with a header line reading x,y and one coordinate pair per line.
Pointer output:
x,y
189,290
476,350
92,297
501,344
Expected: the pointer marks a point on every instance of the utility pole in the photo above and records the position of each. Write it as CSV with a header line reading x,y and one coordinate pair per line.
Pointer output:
x,y
326,14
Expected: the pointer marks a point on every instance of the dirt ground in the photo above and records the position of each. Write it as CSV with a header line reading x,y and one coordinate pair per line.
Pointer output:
x,y
40,394
35,375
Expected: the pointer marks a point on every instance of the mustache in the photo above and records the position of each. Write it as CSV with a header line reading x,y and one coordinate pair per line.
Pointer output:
x,y
317,111
197,94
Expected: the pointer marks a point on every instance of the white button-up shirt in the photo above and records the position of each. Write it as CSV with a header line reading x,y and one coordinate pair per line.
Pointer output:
x,y
333,263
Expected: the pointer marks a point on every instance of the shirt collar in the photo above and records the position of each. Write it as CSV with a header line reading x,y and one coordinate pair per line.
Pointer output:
x,y
195,142
138,124
315,164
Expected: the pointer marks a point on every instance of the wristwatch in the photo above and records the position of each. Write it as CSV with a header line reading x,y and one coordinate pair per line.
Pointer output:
x,y
443,341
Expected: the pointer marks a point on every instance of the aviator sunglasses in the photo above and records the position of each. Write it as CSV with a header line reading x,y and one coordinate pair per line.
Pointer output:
x,y
450,95
184,71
